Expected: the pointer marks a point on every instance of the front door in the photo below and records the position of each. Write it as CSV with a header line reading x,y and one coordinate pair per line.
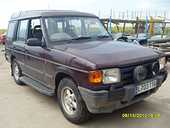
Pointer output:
x,y
35,54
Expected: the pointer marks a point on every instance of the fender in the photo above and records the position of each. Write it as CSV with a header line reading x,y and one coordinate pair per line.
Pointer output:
x,y
68,72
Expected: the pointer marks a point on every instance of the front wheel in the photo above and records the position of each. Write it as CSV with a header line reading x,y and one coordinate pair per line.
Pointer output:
x,y
71,103
16,71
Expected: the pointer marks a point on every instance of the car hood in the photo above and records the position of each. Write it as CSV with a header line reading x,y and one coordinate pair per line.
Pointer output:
x,y
110,53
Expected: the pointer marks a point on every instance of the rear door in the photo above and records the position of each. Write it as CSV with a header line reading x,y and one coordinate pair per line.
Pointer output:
x,y
19,43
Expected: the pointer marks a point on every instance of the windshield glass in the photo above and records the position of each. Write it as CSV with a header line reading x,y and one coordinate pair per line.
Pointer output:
x,y
69,28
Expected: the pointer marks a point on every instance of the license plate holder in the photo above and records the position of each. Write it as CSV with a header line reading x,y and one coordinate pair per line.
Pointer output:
x,y
145,86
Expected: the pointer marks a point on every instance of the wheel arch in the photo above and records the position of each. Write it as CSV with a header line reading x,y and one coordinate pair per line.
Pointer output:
x,y
64,73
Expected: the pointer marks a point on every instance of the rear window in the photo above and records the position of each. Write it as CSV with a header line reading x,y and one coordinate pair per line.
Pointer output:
x,y
11,30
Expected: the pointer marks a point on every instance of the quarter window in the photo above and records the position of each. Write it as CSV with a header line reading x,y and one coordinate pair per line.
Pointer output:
x,y
11,30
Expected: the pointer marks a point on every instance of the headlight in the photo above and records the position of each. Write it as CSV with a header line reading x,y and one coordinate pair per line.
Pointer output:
x,y
111,76
162,62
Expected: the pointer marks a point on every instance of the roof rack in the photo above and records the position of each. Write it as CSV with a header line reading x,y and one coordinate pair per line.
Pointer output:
x,y
47,13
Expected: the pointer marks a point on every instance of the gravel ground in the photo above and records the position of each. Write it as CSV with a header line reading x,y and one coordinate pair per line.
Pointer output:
x,y
24,107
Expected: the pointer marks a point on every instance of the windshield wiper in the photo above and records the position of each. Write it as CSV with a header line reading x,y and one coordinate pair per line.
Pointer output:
x,y
82,38
103,36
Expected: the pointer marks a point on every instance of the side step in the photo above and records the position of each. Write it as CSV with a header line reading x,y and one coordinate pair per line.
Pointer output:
x,y
38,86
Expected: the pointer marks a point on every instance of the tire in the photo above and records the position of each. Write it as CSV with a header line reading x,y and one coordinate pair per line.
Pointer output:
x,y
78,113
17,72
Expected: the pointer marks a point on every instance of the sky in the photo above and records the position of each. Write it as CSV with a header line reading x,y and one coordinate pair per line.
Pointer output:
x,y
101,8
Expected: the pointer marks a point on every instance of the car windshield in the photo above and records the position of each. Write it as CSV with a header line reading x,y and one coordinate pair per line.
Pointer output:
x,y
74,28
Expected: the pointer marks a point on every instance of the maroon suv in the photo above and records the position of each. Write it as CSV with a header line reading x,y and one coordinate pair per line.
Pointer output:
x,y
70,54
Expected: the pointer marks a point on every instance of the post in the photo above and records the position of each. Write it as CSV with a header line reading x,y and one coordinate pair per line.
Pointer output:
x,y
147,26
137,27
110,22
124,27
163,30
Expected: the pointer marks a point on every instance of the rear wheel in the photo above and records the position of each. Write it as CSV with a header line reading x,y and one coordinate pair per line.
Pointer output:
x,y
17,73
71,103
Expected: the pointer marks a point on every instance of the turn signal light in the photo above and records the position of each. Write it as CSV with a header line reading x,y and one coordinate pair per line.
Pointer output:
x,y
95,77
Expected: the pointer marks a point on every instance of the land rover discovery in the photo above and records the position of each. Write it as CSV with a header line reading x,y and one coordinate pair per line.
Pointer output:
x,y
71,55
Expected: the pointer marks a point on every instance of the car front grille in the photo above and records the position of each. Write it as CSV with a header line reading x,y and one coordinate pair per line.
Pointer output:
x,y
127,75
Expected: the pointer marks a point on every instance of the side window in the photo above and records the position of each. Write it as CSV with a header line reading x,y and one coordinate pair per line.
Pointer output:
x,y
35,30
11,30
22,30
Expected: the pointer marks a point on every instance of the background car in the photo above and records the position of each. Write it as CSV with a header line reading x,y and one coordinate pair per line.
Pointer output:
x,y
126,38
3,38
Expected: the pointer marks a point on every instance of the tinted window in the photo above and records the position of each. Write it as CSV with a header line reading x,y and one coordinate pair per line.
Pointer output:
x,y
11,30
22,30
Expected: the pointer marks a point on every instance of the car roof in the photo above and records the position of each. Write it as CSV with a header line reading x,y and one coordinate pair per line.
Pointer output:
x,y
47,13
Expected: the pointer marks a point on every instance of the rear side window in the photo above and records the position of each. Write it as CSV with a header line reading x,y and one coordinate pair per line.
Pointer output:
x,y
11,30
22,30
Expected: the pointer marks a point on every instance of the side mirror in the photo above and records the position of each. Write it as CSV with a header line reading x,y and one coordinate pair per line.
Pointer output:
x,y
34,42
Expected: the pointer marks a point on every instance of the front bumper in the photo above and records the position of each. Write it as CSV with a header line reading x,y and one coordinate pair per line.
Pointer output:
x,y
105,101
